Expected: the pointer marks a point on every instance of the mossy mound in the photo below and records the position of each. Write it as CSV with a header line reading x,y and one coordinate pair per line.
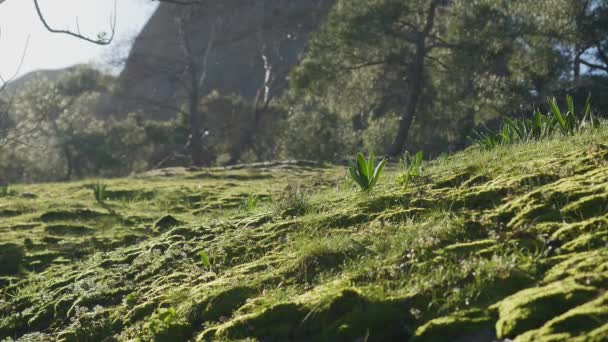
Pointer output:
x,y
11,258
508,244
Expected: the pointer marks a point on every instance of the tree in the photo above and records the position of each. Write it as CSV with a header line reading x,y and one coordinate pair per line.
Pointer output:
x,y
60,115
432,61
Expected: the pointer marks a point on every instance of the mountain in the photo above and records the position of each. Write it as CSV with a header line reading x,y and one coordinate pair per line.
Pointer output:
x,y
50,74
244,33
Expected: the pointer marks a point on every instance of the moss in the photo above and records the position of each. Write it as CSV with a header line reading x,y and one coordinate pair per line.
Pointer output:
x,y
341,220
453,180
463,325
11,258
10,213
400,214
573,323
469,234
587,242
480,197
345,316
65,229
466,248
588,206
531,308
278,322
166,222
224,303
578,263
129,195
72,215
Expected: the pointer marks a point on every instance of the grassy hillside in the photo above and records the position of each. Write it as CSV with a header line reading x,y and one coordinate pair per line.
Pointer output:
x,y
502,244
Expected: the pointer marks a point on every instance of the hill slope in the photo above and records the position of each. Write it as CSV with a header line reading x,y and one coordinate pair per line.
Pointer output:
x,y
502,244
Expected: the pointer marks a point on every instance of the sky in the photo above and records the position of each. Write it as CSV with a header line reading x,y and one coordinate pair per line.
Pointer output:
x,y
45,50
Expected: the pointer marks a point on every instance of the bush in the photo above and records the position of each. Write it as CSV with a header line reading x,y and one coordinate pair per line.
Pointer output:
x,y
314,133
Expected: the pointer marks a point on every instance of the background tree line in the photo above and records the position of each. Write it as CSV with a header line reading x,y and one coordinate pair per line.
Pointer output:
x,y
382,75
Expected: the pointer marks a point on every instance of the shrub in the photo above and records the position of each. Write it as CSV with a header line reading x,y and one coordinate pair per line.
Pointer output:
x,y
540,126
412,165
313,132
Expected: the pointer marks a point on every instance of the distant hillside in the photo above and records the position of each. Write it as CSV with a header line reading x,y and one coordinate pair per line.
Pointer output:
x,y
50,74
153,72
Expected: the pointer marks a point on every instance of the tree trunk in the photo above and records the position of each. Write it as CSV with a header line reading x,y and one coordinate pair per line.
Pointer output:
x,y
69,162
415,83
415,89
247,136
196,141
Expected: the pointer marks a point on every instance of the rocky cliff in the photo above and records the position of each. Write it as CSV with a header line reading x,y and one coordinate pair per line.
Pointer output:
x,y
243,35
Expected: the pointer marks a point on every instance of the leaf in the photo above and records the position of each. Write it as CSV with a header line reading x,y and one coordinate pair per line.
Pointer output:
x,y
570,102
205,259
587,116
362,165
358,178
557,114
378,173
370,166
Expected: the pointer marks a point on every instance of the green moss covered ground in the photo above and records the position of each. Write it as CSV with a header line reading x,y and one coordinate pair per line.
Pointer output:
x,y
486,245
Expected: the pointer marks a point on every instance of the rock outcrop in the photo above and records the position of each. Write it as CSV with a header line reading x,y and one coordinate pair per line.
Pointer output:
x,y
242,35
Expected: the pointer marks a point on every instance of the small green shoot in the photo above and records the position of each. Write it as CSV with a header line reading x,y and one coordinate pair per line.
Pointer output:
x,y
412,165
251,202
205,259
364,173
99,192
539,126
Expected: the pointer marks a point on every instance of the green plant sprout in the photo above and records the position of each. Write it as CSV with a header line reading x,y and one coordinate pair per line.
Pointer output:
x,y
205,259
364,173
99,192
251,202
540,126
412,166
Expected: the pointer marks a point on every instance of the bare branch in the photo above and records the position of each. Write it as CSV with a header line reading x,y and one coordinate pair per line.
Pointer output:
x,y
100,40
594,66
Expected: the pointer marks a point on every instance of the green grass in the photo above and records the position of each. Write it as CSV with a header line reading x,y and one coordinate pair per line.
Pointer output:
x,y
461,251
540,126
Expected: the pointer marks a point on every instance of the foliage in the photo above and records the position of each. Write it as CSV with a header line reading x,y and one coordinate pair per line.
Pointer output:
x,y
236,132
540,126
250,202
291,201
5,189
521,52
65,140
412,167
99,192
313,132
205,259
365,173
165,324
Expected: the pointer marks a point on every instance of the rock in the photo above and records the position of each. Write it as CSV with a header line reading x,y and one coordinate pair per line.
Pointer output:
x,y
235,66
